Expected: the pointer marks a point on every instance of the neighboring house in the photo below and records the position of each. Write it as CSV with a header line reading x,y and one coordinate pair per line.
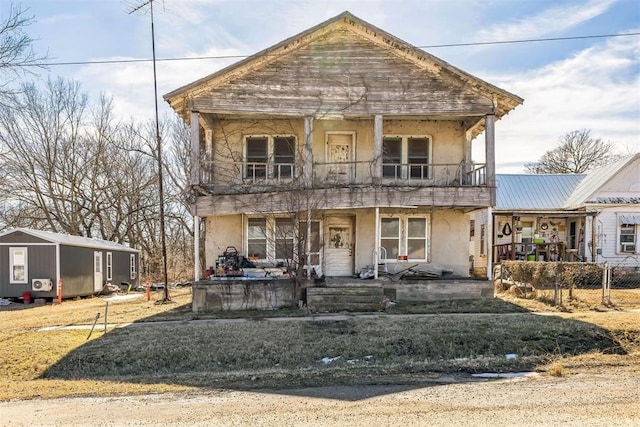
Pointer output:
x,y
36,261
339,148
573,217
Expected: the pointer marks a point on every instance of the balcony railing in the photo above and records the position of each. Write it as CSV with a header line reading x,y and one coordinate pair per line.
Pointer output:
x,y
247,177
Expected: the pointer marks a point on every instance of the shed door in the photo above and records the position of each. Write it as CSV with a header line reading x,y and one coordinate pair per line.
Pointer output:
x,y
340,149
339,244
97,271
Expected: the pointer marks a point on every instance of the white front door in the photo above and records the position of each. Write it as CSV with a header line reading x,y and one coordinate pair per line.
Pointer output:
x,y
97,271
339,246
340,157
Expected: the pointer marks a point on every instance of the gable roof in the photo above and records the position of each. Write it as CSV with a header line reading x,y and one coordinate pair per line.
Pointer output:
x,y
596,179
534,192
465,88
66,239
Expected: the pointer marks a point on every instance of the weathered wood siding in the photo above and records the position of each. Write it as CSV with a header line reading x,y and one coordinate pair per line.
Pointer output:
x,y
436,290
343,72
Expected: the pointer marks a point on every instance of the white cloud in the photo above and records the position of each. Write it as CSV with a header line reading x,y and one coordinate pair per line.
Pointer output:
x,y
595,89
552,20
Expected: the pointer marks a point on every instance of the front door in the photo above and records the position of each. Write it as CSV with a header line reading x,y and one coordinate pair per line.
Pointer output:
x,y
339,244
97,271
340,157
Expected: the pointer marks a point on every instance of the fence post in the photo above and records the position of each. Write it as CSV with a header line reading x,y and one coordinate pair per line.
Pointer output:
x,y
606,284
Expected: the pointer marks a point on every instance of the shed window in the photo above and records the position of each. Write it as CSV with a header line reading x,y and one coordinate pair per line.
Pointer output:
x,y
18,265
109,266
133,268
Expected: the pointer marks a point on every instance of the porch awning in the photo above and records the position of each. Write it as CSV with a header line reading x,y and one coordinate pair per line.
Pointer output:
x,y
629,219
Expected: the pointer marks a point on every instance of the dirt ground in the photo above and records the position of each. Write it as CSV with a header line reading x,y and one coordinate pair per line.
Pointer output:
x,y
592,398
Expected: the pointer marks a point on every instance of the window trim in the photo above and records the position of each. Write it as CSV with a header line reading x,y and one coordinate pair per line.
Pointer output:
x,y
405,166
12,256
271,165
403,246
109,266
271,237
635,228
133,270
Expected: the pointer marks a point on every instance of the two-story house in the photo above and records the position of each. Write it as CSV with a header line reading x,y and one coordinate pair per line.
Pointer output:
x,y
339,148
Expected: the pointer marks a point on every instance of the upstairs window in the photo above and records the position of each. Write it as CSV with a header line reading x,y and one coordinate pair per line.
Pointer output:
x,y
406,157
257,156
269,157
284,156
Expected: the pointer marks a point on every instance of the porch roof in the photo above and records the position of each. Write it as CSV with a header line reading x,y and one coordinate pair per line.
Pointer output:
x,y
526,192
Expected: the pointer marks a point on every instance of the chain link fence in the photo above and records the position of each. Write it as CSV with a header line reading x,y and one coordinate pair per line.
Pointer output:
x,y
579,283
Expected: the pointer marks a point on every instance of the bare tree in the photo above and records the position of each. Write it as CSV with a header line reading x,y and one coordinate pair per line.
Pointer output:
x,y
16,52
577,152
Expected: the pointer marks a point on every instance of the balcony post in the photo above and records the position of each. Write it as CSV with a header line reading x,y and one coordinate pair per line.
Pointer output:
x,y
490,155
377,149
195,148
308,152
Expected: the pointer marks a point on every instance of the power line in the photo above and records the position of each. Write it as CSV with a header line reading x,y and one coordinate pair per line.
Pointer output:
x,y
434,46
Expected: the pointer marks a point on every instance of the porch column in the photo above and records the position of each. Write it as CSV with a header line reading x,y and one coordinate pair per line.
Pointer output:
x,y
196,248
377,149
195,148
490,243
594,244
376,248
308,152
490,155
468,150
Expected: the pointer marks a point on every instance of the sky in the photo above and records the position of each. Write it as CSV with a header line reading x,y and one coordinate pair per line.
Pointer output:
x,y
567,85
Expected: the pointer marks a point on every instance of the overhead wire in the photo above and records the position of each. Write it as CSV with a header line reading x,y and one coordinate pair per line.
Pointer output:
x,y
434,46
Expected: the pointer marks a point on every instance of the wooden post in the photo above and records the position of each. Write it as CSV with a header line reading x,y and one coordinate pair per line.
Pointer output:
x,y
490,155
308,152
195,148
59,291
196,248
377,149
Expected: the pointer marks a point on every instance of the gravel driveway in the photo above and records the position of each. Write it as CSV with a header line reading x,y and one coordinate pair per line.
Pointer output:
x,y
586,399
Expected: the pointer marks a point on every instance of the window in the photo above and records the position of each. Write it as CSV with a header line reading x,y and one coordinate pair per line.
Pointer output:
x,y
133,268
257,157
628,238
472,229
257,238
109,266
284,238
283,156
314,242
269,157
390,237
391,157
18,266
482,239
406,157
404,236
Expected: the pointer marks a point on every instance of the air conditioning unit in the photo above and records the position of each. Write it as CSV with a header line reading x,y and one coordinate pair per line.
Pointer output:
x,y
42,285
629,247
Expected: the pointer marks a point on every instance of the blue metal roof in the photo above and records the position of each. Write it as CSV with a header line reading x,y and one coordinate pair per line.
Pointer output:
x,y
534,192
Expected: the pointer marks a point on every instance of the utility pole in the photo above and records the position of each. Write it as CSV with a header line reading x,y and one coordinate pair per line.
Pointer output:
x,y
163,239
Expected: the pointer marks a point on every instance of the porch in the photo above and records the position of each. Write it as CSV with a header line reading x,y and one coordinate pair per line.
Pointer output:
x,y
221,178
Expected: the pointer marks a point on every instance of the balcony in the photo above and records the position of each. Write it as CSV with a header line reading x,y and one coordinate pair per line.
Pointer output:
x,y
222,178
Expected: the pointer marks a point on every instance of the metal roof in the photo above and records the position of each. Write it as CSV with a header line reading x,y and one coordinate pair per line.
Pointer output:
x,y
534,192
66,239
595,179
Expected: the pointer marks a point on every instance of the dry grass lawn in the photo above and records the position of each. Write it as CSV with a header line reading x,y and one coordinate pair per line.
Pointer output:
x,y
190,355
